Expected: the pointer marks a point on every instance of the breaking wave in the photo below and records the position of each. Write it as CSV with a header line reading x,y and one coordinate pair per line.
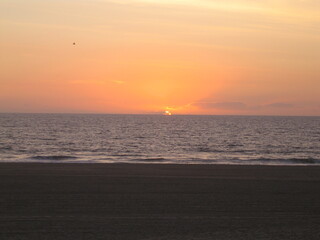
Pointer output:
x,y
53,158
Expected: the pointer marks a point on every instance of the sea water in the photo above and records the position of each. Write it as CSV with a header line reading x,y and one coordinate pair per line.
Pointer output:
x,y
82,138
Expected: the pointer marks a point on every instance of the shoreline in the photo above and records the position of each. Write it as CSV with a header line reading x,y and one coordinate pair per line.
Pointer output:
x,y
158,201
165,169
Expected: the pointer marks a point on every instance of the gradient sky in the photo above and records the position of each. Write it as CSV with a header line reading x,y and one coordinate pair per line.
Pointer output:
x,y
149,56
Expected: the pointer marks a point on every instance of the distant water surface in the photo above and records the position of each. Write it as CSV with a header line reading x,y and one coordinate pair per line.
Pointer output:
x,y
159,139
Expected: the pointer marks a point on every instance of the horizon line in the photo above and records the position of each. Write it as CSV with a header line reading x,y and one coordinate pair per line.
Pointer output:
x,y
159,114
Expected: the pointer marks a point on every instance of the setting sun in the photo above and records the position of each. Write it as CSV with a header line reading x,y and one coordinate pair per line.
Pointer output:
x,y
167,113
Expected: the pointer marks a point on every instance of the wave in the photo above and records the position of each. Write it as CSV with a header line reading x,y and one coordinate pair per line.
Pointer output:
x,y
174,160
125,155
236,161
209,150
292,160
150,160
305,160
6,148
53,157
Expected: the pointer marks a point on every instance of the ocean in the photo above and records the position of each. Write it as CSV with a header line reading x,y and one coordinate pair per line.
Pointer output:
x,y
177,139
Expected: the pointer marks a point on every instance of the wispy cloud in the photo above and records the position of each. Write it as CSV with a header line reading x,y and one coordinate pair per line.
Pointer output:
x,y
240,106
222,105
279,105
290,7
91,82
231,5
118,81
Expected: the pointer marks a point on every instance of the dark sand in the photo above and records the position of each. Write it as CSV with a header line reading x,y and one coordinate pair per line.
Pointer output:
x,y
140,201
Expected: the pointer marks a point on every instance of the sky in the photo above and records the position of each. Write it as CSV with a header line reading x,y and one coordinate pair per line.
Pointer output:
x,y
243,57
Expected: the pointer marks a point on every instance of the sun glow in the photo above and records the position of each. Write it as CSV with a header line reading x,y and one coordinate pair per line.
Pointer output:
x,y
167,113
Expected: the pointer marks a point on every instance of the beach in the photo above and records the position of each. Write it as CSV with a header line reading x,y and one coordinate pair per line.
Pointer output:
x,y
158,201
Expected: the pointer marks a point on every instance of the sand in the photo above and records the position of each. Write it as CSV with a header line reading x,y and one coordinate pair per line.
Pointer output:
x,y
158,201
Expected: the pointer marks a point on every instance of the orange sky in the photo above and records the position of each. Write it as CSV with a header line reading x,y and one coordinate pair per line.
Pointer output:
x,y
149,56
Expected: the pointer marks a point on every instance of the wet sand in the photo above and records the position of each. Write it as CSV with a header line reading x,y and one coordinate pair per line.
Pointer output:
x,y
158,201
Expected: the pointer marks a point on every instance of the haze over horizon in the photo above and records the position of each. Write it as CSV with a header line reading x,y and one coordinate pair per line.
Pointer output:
x,y
239,57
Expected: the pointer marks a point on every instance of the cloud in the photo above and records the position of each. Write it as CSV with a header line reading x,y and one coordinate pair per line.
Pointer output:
x,y
91,82
118,81
240,106
222,105
290,8
234,5
279,105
